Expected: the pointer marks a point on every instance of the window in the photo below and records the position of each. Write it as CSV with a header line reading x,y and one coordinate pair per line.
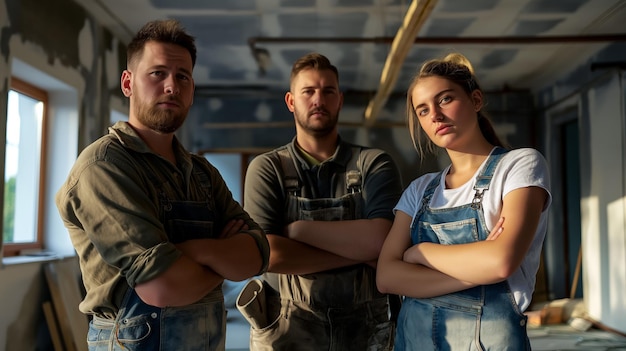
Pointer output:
x,y
24,168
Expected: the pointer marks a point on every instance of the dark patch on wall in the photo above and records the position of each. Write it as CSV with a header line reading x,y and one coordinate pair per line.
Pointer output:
x,y
53,25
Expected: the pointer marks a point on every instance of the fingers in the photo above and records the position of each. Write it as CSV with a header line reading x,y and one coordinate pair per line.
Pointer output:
x,y
497,230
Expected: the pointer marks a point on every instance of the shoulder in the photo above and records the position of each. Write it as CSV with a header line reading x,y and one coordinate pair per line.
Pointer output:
x,y
528,158
419,184
269,158
370,155
524,167
201,162
365,151
523,152
105,150
105,158
268,165
410,202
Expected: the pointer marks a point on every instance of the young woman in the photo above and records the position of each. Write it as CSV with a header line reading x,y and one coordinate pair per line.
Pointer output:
x,y
465,244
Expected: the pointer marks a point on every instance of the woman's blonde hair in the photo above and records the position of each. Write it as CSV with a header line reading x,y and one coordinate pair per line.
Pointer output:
x,y
456,68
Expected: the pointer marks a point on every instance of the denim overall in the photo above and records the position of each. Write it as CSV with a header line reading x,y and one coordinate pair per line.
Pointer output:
x,y
139,326
340,309
485,317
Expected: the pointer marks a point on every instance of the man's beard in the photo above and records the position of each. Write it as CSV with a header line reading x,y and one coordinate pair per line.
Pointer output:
x,y
164,121
317,129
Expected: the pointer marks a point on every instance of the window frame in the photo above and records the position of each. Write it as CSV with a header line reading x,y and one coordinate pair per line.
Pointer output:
x,y
28,89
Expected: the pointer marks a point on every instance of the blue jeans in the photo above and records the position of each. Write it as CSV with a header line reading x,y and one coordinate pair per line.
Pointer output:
x,y
139,326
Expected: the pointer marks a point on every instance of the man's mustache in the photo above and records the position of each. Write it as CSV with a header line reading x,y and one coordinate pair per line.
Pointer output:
x,y
319,110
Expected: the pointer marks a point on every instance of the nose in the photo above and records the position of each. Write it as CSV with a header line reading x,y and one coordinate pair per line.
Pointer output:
x,y
318,98
170,86
436,114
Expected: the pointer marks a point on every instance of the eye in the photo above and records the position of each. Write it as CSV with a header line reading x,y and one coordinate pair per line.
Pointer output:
x,y
421,112
184,77
445,99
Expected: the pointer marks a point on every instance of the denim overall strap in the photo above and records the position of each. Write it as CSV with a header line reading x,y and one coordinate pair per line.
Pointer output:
x,y
293,183
290,173
485,317
484,178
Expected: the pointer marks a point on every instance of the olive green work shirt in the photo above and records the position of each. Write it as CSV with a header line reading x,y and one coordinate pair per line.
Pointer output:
x,y
110,206
264,194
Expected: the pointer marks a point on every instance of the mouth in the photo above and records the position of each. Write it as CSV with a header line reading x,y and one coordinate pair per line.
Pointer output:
x,y
442,129
318,113
169,104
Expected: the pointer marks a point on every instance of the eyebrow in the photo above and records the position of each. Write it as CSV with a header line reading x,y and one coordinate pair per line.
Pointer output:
x,y
326,87
436,96
166,68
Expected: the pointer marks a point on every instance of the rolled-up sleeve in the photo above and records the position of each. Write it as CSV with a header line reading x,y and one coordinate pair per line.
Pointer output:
x,y
107,203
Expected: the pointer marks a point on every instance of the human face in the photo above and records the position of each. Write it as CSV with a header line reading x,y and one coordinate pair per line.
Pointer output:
x,y
315,101
160,87
446,113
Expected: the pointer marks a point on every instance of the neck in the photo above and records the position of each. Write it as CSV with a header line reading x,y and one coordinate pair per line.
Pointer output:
x,y
321,148
468,160
159,143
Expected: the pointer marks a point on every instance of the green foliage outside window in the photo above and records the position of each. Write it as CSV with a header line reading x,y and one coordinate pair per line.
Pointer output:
x,y
9,210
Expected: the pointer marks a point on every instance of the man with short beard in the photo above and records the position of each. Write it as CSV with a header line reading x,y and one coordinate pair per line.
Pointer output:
x,y
326,208
155,227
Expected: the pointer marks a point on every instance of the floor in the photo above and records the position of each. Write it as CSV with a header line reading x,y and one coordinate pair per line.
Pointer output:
x,y
555,337
560,337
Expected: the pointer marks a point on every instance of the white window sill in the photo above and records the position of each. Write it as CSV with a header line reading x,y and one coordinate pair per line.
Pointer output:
x,y
43,256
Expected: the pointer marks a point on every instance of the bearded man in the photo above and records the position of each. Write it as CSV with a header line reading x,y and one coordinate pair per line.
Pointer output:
x,y
326,208
155,228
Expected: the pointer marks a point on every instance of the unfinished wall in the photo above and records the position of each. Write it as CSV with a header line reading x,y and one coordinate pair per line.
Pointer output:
x,y
61,41
596,98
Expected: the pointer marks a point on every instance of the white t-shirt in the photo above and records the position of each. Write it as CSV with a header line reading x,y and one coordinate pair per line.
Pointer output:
x,y
518,168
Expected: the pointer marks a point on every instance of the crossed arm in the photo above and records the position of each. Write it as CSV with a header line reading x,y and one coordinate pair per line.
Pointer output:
x,y
203,266
315,246
429,269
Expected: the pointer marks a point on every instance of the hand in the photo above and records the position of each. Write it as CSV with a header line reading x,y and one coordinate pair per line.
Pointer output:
x,y
292,229
233,227
497,230
189,248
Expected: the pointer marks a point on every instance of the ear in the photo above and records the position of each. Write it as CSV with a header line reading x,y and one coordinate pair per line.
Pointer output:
x,y
126,84
289,101
477,99
340,100
193,89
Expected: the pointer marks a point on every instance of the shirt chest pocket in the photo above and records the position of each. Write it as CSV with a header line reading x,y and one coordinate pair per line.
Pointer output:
x,y
187,220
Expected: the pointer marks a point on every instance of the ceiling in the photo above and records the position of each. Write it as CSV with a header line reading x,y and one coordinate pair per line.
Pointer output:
x,y
249,45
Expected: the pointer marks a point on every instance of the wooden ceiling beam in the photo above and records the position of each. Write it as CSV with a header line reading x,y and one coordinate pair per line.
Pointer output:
x,y
416,15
